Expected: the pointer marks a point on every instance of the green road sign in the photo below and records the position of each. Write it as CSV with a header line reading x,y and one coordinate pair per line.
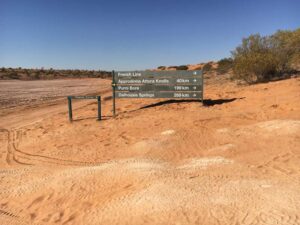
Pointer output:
x,y
157,84
150,87
166,81
156,74
158,95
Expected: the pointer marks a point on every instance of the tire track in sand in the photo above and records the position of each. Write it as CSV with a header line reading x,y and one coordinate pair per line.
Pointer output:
x,y
16,156
10,218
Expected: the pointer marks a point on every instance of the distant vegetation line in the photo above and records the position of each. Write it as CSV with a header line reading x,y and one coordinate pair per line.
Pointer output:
x,y
49,74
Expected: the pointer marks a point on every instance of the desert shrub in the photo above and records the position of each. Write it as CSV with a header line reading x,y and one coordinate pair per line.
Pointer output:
x,y
260,58
50,71
161,67
182,67
36,76
256,67
76,73
224,65
286,45
13,75
254,61
26,72
33,74
207,67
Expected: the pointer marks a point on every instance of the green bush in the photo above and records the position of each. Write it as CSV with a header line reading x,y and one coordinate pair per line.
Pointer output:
x,y
161,67
13,75
224,65
256,67
183,67
36,74
260,58
254,60
286,45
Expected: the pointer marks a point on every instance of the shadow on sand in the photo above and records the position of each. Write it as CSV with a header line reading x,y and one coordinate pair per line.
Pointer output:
x,y
206,102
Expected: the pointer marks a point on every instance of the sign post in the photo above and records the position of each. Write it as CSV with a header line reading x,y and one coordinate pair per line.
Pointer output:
x,y
114,93
70,108
99,107
157,84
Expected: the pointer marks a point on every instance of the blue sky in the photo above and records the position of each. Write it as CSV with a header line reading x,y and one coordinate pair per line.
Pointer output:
x,y
133,34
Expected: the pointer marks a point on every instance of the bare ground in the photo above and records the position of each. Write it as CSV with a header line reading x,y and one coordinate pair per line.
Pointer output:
x,y
28,94
233,161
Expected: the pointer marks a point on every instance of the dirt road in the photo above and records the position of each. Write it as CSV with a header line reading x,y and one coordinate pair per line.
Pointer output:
x,y
233,161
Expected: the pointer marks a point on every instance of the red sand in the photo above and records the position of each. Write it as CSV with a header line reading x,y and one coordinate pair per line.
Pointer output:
x,y
236,161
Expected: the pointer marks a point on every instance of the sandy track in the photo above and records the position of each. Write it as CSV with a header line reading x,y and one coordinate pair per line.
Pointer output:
x,y
235,161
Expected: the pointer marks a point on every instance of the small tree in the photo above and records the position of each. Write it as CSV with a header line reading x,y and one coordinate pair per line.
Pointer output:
x,y
254,61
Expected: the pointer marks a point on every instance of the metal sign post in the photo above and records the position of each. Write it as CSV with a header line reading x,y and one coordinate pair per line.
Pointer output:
x,y
70,108
99,107
114,93
202,88
157,84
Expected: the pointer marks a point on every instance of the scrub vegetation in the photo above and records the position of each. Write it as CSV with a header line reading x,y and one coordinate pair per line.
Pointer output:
x,y
49,74
264,58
